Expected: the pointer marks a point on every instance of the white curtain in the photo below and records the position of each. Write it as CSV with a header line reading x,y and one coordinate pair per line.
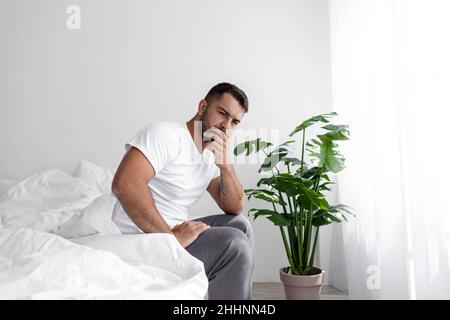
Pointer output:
x,y
391,84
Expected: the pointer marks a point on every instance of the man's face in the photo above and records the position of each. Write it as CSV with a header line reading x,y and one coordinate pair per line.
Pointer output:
x,y
224,113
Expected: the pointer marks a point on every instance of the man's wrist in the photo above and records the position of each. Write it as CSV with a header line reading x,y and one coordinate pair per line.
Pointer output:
x,y
224,168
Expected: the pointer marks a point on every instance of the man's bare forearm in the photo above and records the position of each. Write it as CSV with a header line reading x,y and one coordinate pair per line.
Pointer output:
x,y
231,191
138,203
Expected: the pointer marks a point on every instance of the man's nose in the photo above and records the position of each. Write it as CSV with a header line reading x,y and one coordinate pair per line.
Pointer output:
x,y
225,127
226,124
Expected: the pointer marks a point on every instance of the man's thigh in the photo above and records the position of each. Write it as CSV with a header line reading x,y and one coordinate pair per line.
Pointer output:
x,y
213,245
229,220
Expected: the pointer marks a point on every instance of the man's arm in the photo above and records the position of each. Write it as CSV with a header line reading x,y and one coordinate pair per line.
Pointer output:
x,y
227,191
130,185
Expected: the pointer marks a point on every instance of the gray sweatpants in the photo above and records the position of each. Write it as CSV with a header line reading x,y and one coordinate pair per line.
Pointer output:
x,y
227,252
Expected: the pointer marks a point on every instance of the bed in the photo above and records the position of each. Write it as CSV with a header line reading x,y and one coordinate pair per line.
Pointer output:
x,y
57,241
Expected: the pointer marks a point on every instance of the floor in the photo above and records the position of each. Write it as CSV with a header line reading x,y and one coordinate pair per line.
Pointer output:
x,y
275,291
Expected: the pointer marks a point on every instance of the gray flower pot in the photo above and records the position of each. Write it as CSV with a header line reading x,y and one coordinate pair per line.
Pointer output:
x,y
302,287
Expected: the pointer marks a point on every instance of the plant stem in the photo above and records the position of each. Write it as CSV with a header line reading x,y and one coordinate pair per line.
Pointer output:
x,y
286,245
299,234
300,227
291,232
308,232
303,151
300,222
308,229
282,204
274,208
289,202
311,260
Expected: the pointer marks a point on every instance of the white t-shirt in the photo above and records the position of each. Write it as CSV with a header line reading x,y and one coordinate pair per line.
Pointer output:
x,y
182,173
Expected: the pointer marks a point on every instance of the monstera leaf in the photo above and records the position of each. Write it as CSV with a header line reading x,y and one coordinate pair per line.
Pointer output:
x,y
266,181
324,186
251,146
275,156
266,195
272,160
334,214
275,217
309,173
336,132
288,184
325,153
311,199
293,162
285,181
305,124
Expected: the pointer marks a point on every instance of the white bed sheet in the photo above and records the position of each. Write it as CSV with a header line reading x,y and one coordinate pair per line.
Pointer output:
x,y
57,242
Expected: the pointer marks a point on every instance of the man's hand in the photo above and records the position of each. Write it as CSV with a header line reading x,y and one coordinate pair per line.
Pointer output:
x,y
219,146
188,231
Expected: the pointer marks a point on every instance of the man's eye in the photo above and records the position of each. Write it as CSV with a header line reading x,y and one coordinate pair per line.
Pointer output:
x,y
222,112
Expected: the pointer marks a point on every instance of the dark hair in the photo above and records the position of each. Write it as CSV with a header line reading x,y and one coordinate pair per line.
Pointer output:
x,y
218,90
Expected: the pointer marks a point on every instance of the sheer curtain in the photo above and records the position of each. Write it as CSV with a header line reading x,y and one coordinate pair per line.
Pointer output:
x,y
391,84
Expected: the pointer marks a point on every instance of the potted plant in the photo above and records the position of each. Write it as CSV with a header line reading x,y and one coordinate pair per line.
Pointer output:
x,y
297,203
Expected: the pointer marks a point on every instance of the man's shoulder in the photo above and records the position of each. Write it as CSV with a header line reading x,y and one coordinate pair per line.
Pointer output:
x,y
163,128
163,124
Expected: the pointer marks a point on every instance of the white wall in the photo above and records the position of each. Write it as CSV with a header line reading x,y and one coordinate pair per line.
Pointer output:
x,y
67,95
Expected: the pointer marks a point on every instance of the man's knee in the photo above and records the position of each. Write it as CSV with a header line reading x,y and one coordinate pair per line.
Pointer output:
x,y
242,223
239,246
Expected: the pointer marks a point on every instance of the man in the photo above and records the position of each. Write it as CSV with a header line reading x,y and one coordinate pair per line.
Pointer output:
x,y
167,168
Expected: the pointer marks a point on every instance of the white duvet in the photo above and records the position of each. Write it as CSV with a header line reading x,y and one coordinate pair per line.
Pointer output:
x,y
57,242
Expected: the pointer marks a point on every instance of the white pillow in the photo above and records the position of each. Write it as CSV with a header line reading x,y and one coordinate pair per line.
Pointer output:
x,y
95,176
95,218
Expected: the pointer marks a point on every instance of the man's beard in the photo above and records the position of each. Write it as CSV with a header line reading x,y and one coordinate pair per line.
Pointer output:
x,y
205,126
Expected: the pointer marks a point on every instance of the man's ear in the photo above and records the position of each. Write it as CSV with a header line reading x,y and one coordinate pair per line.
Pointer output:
x,y
202,105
